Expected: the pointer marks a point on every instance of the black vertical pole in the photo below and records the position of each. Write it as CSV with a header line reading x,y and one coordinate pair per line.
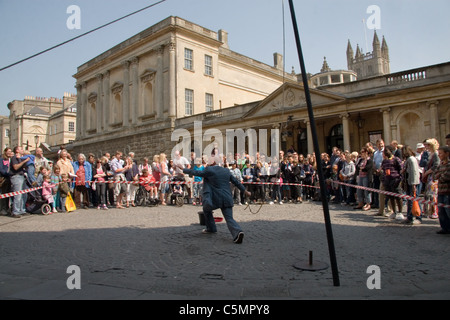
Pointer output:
x,y
326,212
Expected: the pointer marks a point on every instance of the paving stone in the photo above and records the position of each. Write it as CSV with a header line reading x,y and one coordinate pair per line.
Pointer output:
x,y
160,253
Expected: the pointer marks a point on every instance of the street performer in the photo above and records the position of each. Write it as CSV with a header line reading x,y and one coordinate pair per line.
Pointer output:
x,y
217,194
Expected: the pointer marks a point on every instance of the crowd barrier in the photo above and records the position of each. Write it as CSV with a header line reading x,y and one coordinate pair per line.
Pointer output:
x,y
388,193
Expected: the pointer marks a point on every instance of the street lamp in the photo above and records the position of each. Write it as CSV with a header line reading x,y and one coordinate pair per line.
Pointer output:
x,y
36,141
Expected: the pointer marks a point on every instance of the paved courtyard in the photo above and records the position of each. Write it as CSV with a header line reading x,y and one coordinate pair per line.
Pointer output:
x,y
160,253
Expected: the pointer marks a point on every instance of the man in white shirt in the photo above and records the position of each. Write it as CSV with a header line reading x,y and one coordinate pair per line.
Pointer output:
x,y
40,160
178,161
119,175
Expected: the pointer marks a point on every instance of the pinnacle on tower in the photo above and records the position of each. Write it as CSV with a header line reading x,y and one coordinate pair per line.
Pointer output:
x,y
349,48
376,44
385,48
358,52
325,66
376,41
349,55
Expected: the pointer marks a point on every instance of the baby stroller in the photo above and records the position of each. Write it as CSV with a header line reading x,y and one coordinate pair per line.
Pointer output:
x,y
36,203
177,191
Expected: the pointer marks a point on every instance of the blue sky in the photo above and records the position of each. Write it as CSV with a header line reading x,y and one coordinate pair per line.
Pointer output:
x,y
417,32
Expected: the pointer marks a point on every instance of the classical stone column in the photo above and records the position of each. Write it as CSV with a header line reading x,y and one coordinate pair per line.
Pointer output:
x,y
275,139
309,137
386,125
126,94
434,118
345,130
91,117
99,107
84,109
106,101
159,90
79,106
134,90
172,79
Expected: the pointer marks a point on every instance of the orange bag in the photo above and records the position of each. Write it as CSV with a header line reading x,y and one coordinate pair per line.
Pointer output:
x,y
415,207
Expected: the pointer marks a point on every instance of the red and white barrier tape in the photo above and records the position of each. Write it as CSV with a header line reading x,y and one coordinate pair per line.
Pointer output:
x,y
393,194
16,193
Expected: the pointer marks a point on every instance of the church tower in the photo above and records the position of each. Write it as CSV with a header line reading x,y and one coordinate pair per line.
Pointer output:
x,y
371,64
385,55
349,54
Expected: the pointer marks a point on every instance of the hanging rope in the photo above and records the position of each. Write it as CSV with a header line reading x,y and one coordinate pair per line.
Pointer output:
x,y
81,35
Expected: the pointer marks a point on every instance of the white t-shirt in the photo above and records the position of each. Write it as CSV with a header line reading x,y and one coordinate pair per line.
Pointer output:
x,y
180,161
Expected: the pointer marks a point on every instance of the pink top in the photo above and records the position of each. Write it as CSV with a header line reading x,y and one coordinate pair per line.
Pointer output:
x,y
47,188
100,171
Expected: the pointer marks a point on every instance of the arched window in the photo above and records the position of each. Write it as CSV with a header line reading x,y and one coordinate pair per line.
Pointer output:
x,y
92,117
91,112
148,99
408,125
302,142
337,130
147,106
336,138
117,109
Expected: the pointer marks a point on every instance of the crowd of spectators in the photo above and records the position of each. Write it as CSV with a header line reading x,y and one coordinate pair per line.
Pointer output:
x,y
420,170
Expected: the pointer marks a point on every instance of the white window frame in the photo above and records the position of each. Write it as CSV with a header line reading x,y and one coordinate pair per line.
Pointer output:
x,y
189,102
209,102
188,59
208,65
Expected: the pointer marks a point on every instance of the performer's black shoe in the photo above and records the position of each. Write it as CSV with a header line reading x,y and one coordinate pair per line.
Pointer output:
x,y
239,238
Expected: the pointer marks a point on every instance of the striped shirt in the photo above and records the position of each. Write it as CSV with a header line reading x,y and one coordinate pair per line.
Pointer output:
x,y
442,174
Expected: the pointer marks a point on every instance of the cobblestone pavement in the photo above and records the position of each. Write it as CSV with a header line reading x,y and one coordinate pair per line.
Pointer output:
x,y
160,253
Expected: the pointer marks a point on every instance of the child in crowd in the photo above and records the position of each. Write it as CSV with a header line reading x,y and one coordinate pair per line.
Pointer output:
x,y
55,179
177,191
332,186
198,187
47,191
43,171
63,190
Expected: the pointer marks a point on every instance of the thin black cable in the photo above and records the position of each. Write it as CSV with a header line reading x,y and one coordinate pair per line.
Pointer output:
x,y
81,35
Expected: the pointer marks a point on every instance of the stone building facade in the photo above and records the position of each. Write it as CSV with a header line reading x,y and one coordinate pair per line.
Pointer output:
x,y
407,106
175,74
5,132
52,120
130,97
